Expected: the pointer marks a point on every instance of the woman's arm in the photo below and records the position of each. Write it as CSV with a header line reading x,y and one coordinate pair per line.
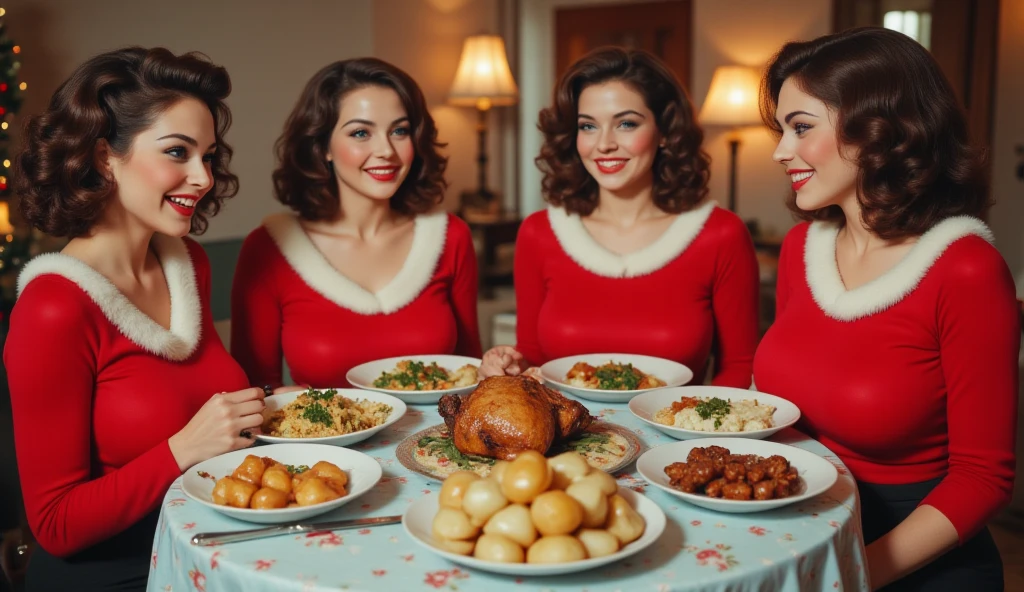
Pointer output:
x,y
734,302
256,318
464,291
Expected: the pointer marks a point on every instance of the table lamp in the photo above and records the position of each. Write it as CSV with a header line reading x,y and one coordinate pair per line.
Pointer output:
x,y
732,102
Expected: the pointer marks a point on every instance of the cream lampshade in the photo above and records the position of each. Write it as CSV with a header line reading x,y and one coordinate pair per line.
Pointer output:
x,y
732,102
483,80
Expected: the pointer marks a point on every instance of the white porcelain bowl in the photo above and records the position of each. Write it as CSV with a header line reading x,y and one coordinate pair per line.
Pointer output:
x,y
363,473
671,373
646,405
275,402
363,375
816,473
419,517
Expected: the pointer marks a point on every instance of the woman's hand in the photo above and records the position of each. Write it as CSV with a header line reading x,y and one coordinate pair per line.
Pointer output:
x,y
228,421
499,361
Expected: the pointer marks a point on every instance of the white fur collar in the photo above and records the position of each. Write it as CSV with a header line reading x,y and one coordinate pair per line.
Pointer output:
x,y
300,252
180,341
885,291
584,250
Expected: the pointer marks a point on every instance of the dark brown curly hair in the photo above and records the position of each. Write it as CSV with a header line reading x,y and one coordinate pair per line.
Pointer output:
x,y
113,96
898,112
304,180
681,168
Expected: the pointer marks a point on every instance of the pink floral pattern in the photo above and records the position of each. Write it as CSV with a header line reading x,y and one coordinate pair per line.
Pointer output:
x,y
439,579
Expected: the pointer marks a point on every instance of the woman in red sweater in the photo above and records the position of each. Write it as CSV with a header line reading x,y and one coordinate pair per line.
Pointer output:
x,y
116,374
363,270
630,256
896,330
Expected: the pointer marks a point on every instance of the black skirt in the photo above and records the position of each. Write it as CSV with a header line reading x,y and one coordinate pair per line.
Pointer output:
x,y
120,563
974,566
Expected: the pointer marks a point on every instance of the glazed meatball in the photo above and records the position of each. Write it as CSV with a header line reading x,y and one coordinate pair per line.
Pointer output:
x,y
734,472
740,490
764,490
714,489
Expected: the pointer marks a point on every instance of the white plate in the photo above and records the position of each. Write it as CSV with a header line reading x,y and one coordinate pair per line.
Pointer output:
x,y
816,473
646,405
363,375
275,402
671,373
419,517
363,473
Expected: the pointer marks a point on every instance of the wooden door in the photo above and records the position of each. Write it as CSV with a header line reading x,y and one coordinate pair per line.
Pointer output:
x,y
662,28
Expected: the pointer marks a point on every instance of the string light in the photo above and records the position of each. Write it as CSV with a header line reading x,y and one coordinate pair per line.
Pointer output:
x,y
3,125
7,163
3,11
23,85
16,49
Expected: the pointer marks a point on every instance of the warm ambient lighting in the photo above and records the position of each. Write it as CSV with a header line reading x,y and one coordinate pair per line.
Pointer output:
x,y
5,218
732,98
483,79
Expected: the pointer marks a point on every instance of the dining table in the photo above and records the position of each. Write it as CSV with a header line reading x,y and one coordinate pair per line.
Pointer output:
x,y
815,544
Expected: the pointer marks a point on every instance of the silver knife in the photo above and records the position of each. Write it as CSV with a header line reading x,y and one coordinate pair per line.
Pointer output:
x,y
220,538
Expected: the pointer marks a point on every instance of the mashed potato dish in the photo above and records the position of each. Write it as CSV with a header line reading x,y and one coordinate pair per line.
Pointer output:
x,y
418,376
318,414
716,415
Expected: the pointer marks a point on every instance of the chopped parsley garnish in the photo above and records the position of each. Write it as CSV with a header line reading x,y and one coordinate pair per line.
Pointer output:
x,y
714,407
296,469
416,374
326,396
617,377
316,413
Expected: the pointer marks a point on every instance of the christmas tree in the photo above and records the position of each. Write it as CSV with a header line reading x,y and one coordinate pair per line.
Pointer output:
x,y
14,251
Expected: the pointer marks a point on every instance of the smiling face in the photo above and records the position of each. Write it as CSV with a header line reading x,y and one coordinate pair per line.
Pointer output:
x,y
168,169
617,137
371,148
810,150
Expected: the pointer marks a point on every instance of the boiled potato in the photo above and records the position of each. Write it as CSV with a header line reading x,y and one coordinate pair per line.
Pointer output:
x,y
457,547
251,469
605,482
482,499
453,525
267,498
598,543
556,549
233,492
314,490
566,468
526,477
623,521
277,477
332,475
498,470
454,488
593,501
514,522
556,512
498,548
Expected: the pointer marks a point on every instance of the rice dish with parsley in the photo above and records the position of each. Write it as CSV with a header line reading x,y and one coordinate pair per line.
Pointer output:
x,y
318,414
717,415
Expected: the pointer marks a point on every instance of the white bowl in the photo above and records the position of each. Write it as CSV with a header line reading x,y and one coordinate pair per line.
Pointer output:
x,y
671,373
275,402
363,375
419,517
363,473
646,405
816,473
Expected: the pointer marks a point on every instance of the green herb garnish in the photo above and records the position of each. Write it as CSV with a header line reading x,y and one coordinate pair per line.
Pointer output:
x,y
714,407
317,395
416,374
617,377
442,446
316,413
588,442
296,469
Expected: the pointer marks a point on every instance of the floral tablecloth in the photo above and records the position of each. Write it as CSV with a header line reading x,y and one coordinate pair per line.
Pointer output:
x,y
814,545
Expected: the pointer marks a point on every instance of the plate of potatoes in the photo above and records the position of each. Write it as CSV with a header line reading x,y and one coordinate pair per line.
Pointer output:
x,y
535,516
281,482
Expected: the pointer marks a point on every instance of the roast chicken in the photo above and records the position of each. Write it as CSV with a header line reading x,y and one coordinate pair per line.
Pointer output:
x,y
506,415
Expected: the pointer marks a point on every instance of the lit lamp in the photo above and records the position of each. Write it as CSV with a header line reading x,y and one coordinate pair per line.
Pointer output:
x,y
732,102
5,219
483,80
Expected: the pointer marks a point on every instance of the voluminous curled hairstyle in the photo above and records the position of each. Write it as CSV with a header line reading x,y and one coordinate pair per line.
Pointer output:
x,y
113,96
898,112
681,168
304,179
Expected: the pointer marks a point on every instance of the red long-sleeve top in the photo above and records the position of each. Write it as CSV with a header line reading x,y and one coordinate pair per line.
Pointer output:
x,y
97,388
910,377
289,303
693,291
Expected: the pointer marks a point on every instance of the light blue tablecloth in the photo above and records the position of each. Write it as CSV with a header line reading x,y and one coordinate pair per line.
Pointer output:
x,y
814,545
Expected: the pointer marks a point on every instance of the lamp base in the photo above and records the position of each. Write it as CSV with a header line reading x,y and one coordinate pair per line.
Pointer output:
x,y
480,205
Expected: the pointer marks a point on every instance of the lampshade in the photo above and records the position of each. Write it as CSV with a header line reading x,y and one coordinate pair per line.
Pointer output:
x,y
483,78
732,98
5,218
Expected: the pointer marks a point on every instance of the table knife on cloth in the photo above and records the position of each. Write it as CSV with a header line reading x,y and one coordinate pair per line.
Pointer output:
x,y
220,538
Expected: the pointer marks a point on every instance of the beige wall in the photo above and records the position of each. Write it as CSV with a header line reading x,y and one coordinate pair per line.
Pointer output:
x,y
269,47
722,35
424,38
